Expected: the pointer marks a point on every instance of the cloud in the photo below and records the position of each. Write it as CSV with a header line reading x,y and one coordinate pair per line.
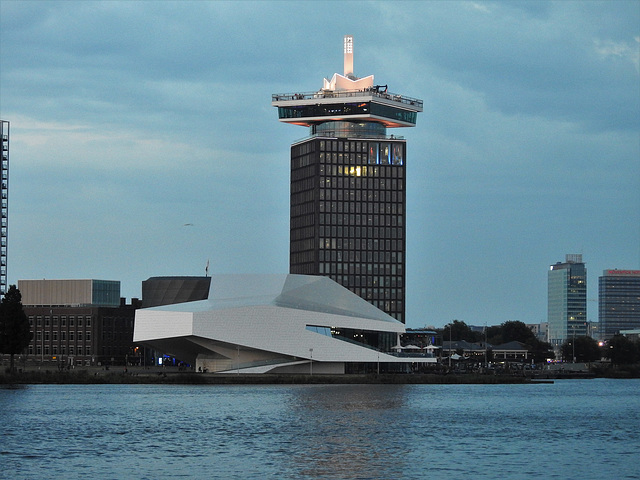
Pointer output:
x,y
622,50
130,119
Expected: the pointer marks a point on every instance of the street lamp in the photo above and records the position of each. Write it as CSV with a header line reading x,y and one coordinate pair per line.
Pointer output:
x,y
573,343
450,329
311,361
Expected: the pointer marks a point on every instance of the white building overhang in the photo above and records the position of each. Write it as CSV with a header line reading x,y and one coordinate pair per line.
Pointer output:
x,y
252,321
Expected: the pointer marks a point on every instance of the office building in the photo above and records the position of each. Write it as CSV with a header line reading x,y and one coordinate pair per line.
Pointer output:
x,y
348,185
618,302
78,323
567,300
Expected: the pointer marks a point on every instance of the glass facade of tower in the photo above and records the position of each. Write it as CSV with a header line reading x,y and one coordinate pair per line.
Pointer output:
x,y
618,301
348,184
347,215
567,300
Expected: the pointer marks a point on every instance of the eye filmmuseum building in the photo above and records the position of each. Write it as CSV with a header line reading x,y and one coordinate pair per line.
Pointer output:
x,y
348,185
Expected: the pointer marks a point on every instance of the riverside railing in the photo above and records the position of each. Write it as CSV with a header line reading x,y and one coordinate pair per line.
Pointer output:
x,y
281,97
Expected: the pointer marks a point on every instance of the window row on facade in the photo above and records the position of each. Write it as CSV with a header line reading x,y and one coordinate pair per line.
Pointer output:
x,y
331,206
357,174
383,235
369,151
361,250
375,164
392,284
379,209
350,261
62,320
379,154
392,219
378,161
373,246
303,184
362,262
360,184
336,146
342,145
326,206
60,350
358,235
392,295
72,335
392,272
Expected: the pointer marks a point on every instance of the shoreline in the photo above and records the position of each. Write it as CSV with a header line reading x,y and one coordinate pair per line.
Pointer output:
x,y
189,378
159,375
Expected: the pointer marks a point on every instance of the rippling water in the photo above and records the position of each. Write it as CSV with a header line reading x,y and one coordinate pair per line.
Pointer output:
x,y
573,429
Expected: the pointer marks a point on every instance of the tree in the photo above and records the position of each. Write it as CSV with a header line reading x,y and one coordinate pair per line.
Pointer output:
x,y
14,325
541,351
494,334
459,331
620,350
515,331
585,349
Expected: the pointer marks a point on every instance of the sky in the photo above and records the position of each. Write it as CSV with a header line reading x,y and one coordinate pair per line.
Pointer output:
x,y
143,141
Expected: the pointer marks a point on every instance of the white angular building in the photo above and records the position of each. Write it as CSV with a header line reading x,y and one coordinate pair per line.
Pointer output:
x,y
271,323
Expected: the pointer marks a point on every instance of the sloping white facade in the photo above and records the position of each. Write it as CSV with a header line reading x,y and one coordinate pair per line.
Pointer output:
x,y
264,323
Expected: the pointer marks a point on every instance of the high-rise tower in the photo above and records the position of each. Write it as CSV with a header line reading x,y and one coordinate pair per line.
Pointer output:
x,y
348,183
4,205
618,302
567,300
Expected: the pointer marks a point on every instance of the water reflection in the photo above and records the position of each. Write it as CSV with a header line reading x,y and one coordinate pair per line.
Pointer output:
x,y
349,431
322,432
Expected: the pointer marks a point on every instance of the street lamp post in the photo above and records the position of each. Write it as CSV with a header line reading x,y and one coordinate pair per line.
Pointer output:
x,y
311,361
486,359
450,328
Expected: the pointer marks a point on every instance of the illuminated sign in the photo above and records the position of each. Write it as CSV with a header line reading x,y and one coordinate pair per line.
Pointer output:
x,y
622,272
348,44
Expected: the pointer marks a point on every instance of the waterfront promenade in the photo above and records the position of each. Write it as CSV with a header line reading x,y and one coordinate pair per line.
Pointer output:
x,y
173,375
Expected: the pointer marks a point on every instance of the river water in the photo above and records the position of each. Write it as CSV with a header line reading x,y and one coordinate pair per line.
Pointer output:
x,y
572,429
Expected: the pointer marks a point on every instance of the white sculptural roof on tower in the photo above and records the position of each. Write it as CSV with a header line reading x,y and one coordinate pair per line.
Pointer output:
x,y
340,82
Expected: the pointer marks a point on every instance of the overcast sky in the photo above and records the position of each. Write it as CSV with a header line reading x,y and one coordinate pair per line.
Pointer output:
x,y
144,143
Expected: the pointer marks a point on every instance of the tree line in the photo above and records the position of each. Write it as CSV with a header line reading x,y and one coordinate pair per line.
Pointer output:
x,y
510,331
620,350
15,333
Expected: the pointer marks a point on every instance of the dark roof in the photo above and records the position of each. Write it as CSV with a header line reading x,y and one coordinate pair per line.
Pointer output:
x,y
511,346
477,347
157,291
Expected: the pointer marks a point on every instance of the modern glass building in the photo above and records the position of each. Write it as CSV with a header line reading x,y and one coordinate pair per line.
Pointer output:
x,y
618,301
567,300
348,184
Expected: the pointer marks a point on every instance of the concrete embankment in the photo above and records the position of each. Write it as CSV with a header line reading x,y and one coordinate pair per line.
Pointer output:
x,y
187,378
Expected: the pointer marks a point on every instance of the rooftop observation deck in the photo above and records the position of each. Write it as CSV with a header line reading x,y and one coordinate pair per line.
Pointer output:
x,y
329,96
372,104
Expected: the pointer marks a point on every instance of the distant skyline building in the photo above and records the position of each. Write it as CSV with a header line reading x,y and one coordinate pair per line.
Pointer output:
x,y
348,185
618,302
4,206
567,300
